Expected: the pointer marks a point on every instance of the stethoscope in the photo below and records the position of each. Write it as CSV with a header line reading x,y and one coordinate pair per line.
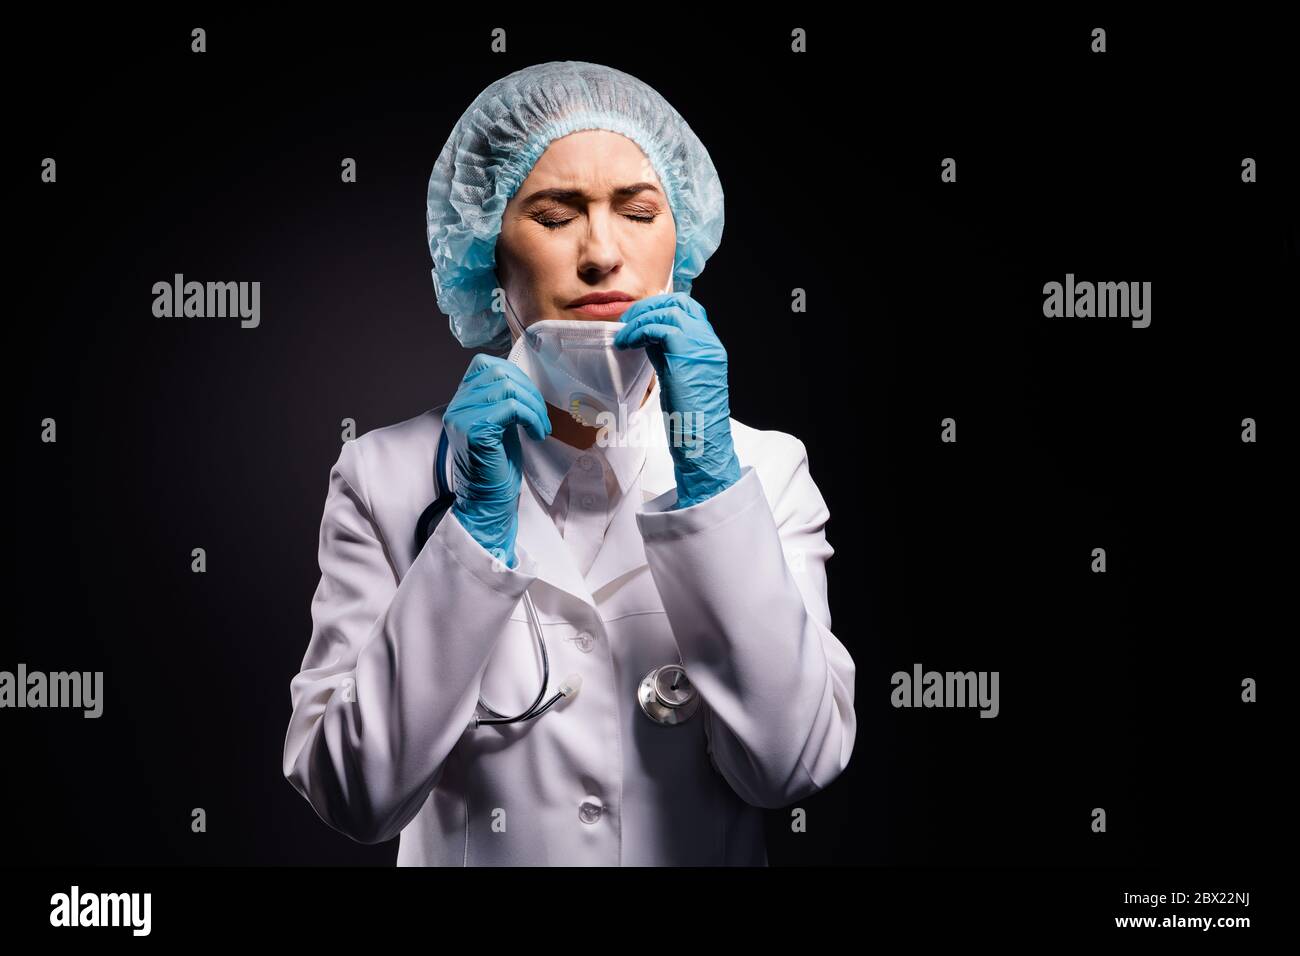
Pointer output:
x,y
665,694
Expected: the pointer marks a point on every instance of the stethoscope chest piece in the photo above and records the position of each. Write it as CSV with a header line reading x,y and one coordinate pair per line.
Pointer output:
x,y
667,696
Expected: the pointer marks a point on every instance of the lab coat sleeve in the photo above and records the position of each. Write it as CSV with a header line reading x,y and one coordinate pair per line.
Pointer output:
x,y
743,583
392,672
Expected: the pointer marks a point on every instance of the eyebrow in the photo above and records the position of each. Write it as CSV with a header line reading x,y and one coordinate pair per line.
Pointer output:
x,y
569,195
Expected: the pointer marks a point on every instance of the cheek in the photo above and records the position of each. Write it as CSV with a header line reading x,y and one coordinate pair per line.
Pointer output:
x,y
532,256
668,253
656,241
668,239
553,259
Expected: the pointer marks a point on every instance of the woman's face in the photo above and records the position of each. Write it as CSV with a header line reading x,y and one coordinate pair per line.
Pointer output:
x,y
591,217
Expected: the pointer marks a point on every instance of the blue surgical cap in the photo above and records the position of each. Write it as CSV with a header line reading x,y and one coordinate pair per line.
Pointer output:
x,y
499,138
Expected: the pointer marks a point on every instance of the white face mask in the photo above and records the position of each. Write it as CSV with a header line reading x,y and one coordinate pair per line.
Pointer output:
x,y
574,364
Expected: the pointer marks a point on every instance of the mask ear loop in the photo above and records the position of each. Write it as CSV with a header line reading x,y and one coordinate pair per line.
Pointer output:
x,y
511,318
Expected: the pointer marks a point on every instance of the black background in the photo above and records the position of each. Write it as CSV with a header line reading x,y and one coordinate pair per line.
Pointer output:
x,y
1119,690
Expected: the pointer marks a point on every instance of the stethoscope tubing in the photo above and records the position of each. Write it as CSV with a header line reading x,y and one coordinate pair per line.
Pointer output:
x,y
533,710
662,712
432,516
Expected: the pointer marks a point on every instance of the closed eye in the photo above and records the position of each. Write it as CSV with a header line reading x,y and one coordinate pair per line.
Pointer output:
x,y
560,223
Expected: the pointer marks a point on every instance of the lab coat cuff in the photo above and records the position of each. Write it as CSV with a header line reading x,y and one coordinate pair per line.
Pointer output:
x,y
658,520
482,563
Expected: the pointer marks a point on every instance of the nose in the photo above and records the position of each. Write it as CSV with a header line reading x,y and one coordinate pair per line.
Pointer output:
x,y
599,254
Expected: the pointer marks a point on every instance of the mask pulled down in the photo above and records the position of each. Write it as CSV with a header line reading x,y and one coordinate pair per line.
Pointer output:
x,y
575,366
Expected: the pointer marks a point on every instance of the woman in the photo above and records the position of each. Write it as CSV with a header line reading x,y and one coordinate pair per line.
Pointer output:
x,y
669,567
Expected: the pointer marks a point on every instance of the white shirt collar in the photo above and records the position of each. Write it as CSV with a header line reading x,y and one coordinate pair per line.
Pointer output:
x,y
546,463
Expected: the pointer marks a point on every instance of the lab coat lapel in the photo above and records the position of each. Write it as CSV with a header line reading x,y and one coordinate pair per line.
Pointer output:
x,y
658,475
623,550
539,537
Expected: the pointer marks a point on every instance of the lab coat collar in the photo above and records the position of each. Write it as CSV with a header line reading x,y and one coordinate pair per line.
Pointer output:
x,y
538,536
622,551
546,463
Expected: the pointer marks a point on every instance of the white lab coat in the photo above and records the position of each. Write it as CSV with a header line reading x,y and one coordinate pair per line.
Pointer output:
x,y
402,642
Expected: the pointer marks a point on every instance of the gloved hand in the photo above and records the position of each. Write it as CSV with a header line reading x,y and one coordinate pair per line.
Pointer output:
x,y
692,368
487,461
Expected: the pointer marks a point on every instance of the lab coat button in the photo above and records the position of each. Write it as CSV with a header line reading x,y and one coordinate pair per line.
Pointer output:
x,y
585,463
584,642
589,811
588,501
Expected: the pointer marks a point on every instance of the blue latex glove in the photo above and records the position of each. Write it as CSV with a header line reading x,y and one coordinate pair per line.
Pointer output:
x,y
487,462
692,367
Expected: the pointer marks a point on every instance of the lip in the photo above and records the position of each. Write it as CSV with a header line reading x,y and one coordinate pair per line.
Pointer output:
x,y
603,310
602,305
613,295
